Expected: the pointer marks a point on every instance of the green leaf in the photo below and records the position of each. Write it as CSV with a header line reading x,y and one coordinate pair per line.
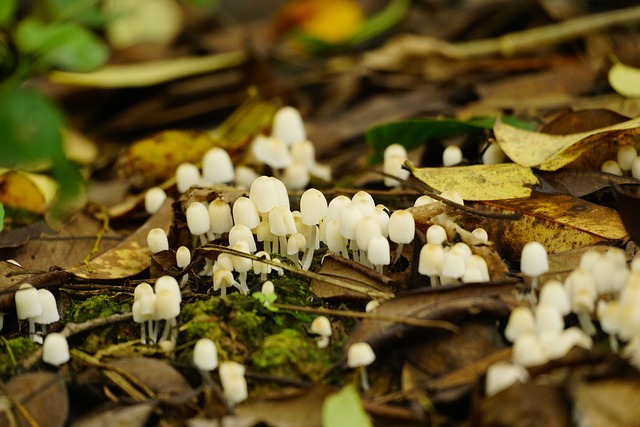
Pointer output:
x,y
415,132
344,409
30,131
86,12
7,12
68,45
1,216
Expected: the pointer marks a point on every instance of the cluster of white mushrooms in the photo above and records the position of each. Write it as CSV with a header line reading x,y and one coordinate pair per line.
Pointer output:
x,y
604,285
626,163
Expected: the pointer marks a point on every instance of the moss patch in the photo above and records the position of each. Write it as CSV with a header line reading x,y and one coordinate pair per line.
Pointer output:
x,y
289,354
93,308
20,348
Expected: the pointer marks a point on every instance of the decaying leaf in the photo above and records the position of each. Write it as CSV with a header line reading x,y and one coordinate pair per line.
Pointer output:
x,y
25,190
552,152
568,122
451,303
560,222
578,182
132,416
523,405
628,197
289,408
480,182
156,375
349,270
606,403
156,158
130,256
42,397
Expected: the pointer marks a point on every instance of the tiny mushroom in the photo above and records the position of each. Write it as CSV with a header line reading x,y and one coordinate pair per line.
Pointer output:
x,y
157,240
205,355
153,199
55,350
234,384
534,261
28,306
359,356
321,326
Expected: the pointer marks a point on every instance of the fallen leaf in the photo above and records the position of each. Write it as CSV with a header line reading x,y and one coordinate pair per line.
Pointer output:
x,y
568,122
346,269
625,79
628,197
155,374
524,405
451,303
131,416
480,182
156,158
149,73
552,152
560,222
130,256
289,408
25,190
606,403
43,396
344,409
578,182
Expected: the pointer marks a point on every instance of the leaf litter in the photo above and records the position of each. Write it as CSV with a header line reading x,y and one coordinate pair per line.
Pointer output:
x,y
425,371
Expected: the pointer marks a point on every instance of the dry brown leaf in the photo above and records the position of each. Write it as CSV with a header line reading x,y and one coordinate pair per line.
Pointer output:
x,y
607,403
560,222
451,303
42,395
342,268
568,122
552,152
292,408
578,182
524,405
130,256
131,416
155,374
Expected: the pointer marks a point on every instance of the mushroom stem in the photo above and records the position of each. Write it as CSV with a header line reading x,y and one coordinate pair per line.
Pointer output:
x,y
398,252
584,318
435,280
364,378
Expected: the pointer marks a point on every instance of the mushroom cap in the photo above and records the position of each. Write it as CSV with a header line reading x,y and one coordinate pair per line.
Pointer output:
x,y
245,212
451,156
554,292
402,226
220,216
548,318
288,126
393,165
521,321
267,288
241,232
431,258
349,218
313,206
187,175
501,375
157,240
453,265
281,221
241,264
271,151
366,229
167,305
55,349
223,278
28,303
303,152
183,257
529,351
378,250
321,326
453,196
168,283
154,197
49,308
142,289
198,219
234,385
205,354
533,260
217,167
296,243
360,354
296,176
395,150
436,234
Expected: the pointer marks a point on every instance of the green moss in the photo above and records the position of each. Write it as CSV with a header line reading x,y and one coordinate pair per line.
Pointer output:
x,y
93,308
249,326
289,353
20,348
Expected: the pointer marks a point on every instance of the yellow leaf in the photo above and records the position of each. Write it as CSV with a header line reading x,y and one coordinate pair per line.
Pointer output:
x,y
559,221
24,190
149,73
625,80
552,152
480,182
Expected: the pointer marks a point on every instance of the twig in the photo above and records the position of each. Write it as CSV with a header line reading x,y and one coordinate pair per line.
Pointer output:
x,y
96,245
412,321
